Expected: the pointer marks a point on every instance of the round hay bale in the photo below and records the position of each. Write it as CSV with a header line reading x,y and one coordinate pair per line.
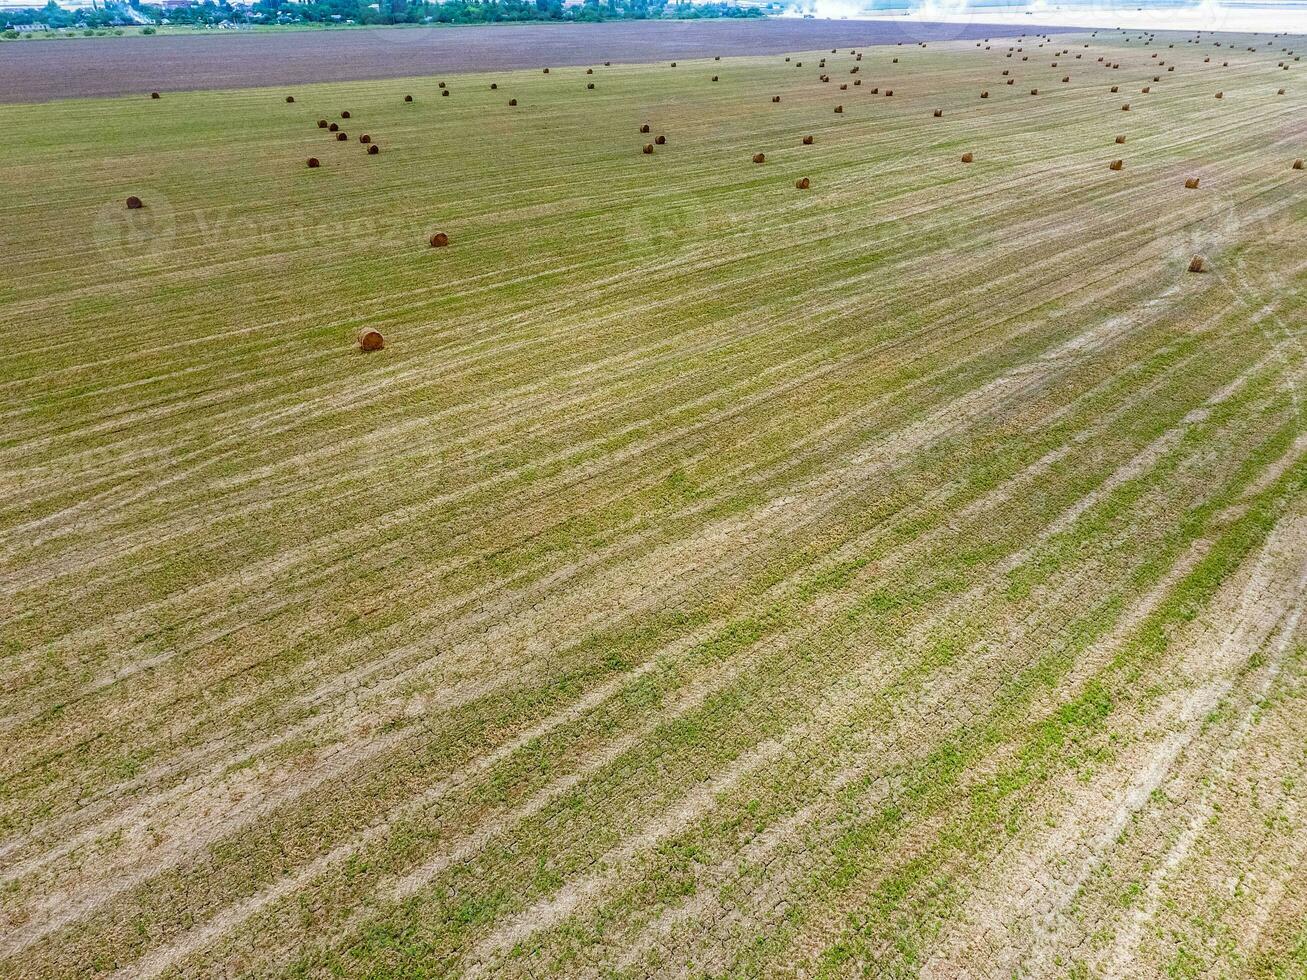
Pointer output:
x,y
341,137
1116,165
839,108
1066,78
801,183
1120,139
345,114
409,98
313,163
444,93
889,92
844,88
1191,184
648,148
1297,165
1220,95
760,158
365,138
807,141
290,98
939,113
984,95
660,139
607,63
1145,90
373,150
1011,81
371,340
546,71
333,128
589,71
673,64
644,128
1126,107
493,86
439,240
1114,89
512,101
857,81
323,124
718,57
1034,91
589,85
134,203
154,95
1281,92
968,157
775,98
440,85
1198,264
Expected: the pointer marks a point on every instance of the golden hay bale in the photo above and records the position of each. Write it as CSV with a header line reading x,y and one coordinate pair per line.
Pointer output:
x,y
589,71
984,95
439,240
409,98
512,101
714,78
876,90
589,85
607,63
1011,81
839,108
760,158
1116,165
322,124
1066,78
1157,78
801,183
775,98
134,203
345,114
939,113
967,157
546,71
1120,139
373,150
857,81
440,85
648,148
445,92
807,141
1034,91
1145,90
1220,95
494,85
290,98
342,137
365,138
1281,92
644,128
1191,183
1297,165
889,92
313,163
333,128
844,88
660,140
154,95
1114,89
370,340
1197,264
1126,107
673,64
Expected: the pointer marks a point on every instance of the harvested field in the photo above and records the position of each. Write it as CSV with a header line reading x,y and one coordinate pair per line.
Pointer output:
x,y
903,577
130,65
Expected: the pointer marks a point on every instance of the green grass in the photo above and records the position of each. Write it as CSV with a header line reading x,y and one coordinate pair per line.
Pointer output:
x,y
709,577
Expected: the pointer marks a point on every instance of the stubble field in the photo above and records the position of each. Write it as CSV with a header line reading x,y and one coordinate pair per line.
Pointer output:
x,y
901,576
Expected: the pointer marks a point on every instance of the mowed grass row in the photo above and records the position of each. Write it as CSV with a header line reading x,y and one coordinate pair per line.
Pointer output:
x,y
672,483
